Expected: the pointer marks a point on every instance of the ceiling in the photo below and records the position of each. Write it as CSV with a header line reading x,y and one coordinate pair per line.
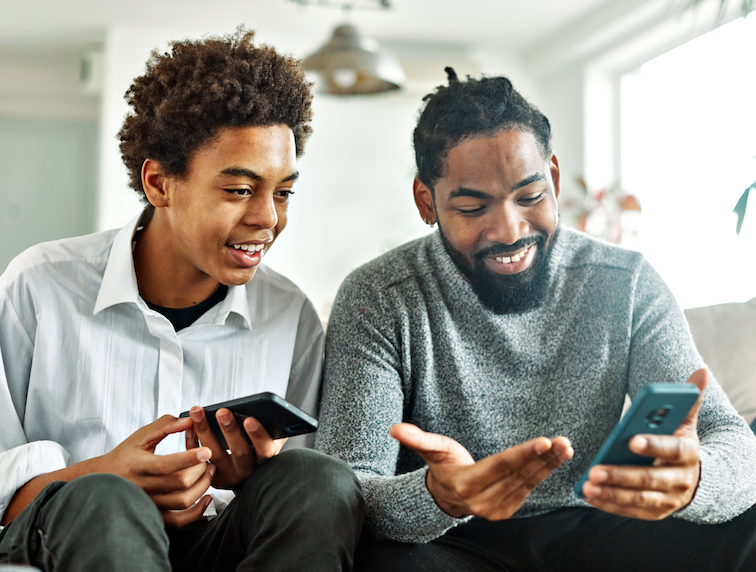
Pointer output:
x,y
515,25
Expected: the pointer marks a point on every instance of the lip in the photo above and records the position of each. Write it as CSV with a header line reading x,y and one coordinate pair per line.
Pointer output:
x,y
246,258
509,268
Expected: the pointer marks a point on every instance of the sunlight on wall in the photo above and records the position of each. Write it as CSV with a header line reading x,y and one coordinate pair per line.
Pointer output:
x,y
688,152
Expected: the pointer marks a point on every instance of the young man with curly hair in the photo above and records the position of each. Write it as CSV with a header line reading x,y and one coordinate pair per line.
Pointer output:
x,y
100,335
487,362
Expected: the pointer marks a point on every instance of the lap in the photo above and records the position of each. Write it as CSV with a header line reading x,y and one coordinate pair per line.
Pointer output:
x,y
573,539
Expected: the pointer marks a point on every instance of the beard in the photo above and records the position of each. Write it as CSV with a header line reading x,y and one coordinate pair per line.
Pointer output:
x,y
508,293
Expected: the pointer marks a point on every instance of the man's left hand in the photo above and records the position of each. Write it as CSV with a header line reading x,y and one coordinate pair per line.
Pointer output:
x,y
233,466
653,493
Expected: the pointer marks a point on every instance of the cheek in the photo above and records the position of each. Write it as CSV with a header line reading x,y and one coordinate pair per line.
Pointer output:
x,y
283,218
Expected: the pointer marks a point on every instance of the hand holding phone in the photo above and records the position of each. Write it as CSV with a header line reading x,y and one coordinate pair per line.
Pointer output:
x,y
242,445
649,466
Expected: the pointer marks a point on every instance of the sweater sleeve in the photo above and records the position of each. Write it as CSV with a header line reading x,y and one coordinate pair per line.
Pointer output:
x,y
662,350
363,397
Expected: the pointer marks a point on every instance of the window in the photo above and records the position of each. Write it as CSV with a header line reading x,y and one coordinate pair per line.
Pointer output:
x,y
688,153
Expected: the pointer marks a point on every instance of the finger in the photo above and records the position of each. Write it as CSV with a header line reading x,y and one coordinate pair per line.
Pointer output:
x,y
171,482
190,438
647,505
662,479
265,446
432,447
699,378
160,465
505,496
186,498
670,448
152,434
205,434
236,439
179,518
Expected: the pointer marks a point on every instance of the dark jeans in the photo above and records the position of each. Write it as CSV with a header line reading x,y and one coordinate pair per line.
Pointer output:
x,y
301,510
572,539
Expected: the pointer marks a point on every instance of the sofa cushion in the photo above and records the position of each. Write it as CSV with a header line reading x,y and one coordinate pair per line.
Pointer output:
x,y
725,335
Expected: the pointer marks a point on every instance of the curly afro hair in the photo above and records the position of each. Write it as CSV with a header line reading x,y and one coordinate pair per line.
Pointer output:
x,y
187,95
474,108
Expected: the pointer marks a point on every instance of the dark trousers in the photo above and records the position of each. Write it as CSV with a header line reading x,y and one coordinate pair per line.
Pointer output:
x,y
572,539
301,510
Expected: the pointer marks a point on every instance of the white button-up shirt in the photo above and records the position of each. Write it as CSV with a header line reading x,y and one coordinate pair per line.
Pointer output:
x,y
84,362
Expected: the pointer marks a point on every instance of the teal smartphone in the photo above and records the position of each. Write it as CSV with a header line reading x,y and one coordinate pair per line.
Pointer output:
x,y
657,409
279,417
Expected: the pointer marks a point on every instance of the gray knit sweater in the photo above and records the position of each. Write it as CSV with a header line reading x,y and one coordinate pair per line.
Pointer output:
x,y
408,340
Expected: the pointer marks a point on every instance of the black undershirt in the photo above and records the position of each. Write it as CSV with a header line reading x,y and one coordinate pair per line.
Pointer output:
x,y
185,317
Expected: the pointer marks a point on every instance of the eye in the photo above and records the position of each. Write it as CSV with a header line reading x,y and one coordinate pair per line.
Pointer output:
x,y
284,193
238,192
470,210
531,199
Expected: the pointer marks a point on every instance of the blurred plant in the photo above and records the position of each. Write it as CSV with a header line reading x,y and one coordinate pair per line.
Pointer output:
x,y
602,213
740,208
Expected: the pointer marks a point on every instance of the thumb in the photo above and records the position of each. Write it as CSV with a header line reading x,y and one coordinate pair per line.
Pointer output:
x,y
432,447
699,378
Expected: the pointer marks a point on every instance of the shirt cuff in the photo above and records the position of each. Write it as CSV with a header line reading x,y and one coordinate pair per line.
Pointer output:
x,y
25,462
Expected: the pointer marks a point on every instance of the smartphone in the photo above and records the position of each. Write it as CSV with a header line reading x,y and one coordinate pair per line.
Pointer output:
x,y
279,417
657,409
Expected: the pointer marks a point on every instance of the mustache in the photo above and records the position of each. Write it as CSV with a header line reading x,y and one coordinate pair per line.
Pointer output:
x,y
499,249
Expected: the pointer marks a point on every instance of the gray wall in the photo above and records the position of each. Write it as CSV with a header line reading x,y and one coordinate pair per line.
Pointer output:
x,y
48,178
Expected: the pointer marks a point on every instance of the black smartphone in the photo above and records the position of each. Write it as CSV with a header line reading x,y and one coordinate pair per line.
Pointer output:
x,y
657,409
279,417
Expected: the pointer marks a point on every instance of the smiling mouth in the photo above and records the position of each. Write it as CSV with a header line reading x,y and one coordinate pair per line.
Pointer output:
x,y
247,247
516,257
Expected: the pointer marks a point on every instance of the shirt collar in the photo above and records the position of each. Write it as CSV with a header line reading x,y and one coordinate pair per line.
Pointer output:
x,y
119,282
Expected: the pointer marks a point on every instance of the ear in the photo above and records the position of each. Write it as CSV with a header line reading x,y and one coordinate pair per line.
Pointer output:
x,y
154,183
554,168
424,201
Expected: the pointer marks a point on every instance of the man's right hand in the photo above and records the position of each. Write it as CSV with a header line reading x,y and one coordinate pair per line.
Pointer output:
x,y
176,483
493,488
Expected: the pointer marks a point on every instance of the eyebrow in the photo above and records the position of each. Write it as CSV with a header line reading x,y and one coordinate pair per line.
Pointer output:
x,y
465,192
529,180
250,174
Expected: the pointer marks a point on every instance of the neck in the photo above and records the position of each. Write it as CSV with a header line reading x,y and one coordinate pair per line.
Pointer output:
x,y
163,276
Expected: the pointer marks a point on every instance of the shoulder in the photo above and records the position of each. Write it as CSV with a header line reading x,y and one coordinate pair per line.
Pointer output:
x,y
579,250
403,263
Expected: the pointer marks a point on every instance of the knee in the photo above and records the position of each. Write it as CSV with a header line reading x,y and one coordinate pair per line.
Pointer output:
x,y
308,477
102,493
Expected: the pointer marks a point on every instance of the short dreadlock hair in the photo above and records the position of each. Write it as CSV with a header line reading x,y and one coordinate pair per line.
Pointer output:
x,y
472,108
188,94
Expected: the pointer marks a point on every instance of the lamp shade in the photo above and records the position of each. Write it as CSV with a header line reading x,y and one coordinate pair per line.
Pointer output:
x,y
350,64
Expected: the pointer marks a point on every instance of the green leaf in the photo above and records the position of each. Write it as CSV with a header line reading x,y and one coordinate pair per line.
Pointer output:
x,y
740,208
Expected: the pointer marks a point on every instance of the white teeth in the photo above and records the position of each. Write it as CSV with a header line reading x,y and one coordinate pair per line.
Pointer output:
x,y
514,258
249,247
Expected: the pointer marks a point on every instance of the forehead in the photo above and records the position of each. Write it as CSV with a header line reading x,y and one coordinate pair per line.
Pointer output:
x,y
504,158
265,149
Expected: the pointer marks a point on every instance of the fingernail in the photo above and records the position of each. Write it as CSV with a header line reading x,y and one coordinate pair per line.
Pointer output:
x,y
599,475
196,414
189,433
225,418
640,442
212,470
542,447
253,424
204,454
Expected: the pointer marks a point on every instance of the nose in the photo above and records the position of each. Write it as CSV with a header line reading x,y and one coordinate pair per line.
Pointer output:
x,y
261,211
507,224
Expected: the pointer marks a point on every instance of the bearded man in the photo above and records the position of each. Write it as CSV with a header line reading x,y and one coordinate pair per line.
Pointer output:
x,y
472,375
